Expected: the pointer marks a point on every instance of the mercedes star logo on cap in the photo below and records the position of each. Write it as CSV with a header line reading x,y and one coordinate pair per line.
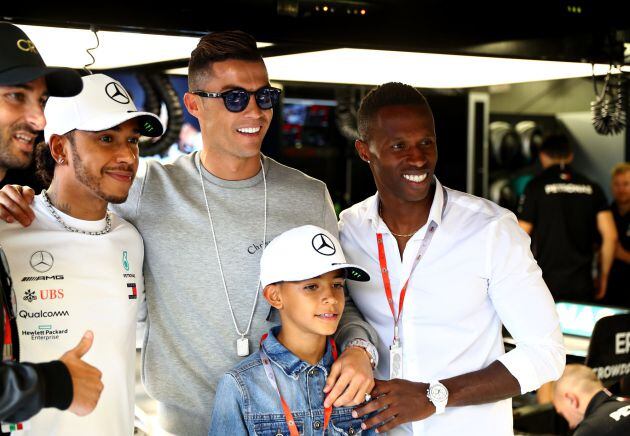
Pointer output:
x,y
42,261
323,245
117,93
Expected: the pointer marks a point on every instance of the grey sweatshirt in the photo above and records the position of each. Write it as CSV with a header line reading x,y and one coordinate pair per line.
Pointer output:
x,y
190,339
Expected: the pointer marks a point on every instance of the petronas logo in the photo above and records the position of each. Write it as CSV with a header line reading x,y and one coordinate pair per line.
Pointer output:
x,y
125,261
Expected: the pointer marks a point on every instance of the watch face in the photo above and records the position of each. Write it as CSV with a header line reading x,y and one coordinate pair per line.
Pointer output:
x,y
438,393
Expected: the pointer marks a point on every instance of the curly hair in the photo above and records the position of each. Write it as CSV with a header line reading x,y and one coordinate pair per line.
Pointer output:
x,y
44,162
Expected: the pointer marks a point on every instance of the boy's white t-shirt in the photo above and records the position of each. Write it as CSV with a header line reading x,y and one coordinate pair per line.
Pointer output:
x,y
66,283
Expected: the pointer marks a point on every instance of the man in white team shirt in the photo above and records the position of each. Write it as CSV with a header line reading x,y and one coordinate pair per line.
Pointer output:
x,y
79,266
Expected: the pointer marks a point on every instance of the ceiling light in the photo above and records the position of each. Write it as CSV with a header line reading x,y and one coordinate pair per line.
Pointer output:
x,y
423,70
67,47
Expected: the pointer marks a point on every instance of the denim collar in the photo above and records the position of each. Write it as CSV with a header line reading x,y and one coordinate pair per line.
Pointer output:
x,y
288,362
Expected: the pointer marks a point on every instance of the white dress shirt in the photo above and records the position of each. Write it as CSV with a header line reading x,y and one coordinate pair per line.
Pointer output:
x,y
478,274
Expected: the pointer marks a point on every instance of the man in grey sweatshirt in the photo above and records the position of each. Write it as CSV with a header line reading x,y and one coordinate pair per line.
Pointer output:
x,y
203,220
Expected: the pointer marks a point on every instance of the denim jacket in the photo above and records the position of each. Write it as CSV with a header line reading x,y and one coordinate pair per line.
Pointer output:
x,y
246,403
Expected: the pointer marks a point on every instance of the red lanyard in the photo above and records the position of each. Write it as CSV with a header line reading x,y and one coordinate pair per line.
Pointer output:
x,y
382,258
288,416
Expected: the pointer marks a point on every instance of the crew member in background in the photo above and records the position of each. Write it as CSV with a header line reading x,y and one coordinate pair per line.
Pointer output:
x,y
564,211
583,401
618,293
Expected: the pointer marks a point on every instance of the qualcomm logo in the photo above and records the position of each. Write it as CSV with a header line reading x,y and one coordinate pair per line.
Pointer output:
x,y
43,314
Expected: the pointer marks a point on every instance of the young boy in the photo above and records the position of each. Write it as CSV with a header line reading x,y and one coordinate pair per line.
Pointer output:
x,y
279,389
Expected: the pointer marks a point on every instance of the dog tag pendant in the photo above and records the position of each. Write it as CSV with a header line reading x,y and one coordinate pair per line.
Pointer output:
x,y
395,361
242,347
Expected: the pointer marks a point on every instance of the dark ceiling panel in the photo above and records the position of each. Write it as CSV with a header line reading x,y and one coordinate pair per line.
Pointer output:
x,y
572,30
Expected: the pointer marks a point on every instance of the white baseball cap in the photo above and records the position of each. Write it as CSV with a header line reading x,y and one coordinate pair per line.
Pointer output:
x,y
303,253
104,103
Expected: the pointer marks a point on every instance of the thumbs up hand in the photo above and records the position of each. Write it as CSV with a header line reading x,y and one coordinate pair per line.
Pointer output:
x,y
86,379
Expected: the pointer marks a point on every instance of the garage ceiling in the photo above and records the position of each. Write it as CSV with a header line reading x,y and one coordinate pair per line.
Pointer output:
x,y
564,30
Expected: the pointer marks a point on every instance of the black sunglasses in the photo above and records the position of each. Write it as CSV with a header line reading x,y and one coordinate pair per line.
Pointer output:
x,y
236,100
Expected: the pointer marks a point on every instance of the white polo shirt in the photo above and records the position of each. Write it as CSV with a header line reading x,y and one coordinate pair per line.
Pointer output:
x,y
477,274
66,283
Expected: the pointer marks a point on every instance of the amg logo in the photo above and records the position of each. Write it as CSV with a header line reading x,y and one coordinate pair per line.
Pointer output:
x,y
38,278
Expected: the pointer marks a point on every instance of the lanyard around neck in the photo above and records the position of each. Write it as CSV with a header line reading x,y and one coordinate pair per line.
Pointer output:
x,y
382,258
243,333
288,416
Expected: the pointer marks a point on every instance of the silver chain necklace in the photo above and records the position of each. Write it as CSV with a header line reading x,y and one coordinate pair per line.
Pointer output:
x,y
53,212
242,343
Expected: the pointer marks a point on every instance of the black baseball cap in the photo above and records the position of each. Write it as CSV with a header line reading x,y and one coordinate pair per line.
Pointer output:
x,y
20,63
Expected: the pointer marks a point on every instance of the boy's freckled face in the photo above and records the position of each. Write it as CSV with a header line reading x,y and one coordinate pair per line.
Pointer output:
x,y
314,306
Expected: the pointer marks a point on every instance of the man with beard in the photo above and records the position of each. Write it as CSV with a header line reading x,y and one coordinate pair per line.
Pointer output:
x,y
25,84
67,383
216,209
79,266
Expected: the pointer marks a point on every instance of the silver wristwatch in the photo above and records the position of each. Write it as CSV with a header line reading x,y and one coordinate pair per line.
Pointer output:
x,y
438,395
367,346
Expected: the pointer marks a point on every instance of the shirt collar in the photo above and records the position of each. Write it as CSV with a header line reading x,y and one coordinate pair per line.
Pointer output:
x,y
435,214
290,364
600,398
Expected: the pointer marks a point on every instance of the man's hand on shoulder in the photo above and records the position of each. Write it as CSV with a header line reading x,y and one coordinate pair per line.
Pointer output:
x,y
15,204
350,379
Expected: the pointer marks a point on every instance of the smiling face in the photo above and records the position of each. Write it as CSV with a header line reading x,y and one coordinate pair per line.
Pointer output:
x,y
233,134
21,120
105,162
402,152
313,306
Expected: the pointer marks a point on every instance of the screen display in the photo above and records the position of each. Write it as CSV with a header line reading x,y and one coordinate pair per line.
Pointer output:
x,y
579,319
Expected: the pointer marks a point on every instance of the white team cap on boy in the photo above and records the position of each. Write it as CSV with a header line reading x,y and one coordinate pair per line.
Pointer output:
x,y
303,253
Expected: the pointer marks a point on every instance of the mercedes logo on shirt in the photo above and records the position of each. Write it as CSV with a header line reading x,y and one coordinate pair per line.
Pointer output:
x,y
117,93
323,245
42,261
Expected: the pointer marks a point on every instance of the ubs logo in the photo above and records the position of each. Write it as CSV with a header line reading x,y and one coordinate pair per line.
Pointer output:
x,y
323,245
42,261
26,45
117,93
30,296
51,294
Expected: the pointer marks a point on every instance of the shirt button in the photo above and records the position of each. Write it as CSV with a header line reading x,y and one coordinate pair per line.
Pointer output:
x,y
311,372
351,431
279,434
317,425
